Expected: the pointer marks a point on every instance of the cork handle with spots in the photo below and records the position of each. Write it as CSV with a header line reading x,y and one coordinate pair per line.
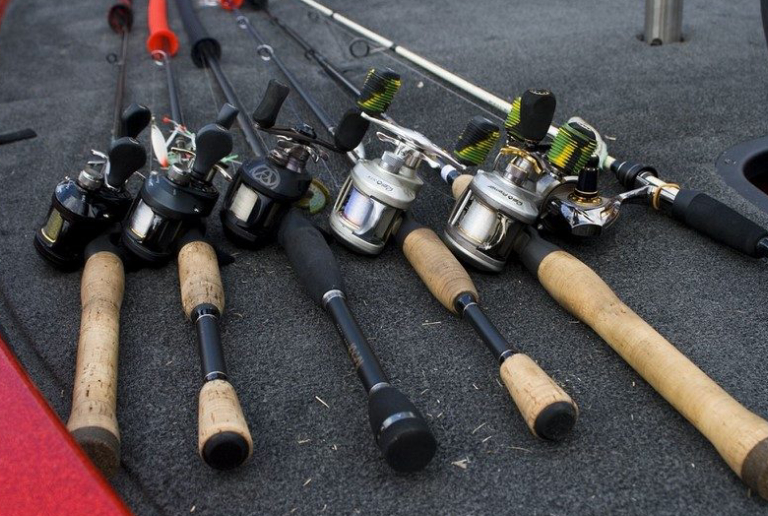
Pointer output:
x,y
440,271
548,411
93,420
740,436
224,440
199,277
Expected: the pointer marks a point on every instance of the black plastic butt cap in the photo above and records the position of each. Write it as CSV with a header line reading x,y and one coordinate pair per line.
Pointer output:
x,y
225,450
401,432
555,422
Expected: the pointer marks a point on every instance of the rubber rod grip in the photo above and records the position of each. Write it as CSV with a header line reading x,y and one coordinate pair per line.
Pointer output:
x,y
93,419
161,37
199,277
740,436
437,267
546,408
224,440
199,40
310,256
718,221
460,184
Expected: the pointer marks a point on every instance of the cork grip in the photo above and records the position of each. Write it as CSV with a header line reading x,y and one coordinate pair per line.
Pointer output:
x,y
93,420
440,271
199,277
740,436
548,411
460,184
224,440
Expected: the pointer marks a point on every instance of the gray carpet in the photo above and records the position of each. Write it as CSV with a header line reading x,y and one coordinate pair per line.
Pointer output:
x,y
675,106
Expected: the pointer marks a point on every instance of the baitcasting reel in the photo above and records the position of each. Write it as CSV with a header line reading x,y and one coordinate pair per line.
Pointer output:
x,y
177,199
83,207
533,182
264,189
377,192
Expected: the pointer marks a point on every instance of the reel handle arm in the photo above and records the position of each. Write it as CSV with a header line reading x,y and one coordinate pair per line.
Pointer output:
x,y
93,418
224,440
721,223
739,436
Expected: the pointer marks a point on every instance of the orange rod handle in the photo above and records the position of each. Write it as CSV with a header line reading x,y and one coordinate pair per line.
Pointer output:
x,y
161,37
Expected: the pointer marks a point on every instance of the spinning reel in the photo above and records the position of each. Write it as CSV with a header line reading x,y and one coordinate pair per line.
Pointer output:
x,y
377,192
549,184
264,189
173,201
83,207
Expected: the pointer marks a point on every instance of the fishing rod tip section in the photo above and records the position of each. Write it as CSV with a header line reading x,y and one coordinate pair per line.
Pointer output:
x,y
161,37
547,409
401,432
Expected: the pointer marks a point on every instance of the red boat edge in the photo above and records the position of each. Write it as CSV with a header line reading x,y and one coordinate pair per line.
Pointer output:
x,y
42,470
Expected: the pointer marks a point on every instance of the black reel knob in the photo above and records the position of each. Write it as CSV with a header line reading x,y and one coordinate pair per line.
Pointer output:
x,y
134,119
227,116
212,144
350,131
378,91
476,141
266,113
126,156
586,186
572,148
531,115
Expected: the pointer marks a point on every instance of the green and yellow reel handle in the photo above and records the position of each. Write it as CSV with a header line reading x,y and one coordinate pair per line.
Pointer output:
x,y
740,436
93,417
224,440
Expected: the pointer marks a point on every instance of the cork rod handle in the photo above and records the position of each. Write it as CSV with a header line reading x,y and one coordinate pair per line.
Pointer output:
x,y
93,420
740,436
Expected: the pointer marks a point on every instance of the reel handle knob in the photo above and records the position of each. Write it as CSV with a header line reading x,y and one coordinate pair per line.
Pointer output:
x,y
378,91
134,119
266,113
573,147
126,156
531,115
227,115
350,131
587,183
212,144
476,141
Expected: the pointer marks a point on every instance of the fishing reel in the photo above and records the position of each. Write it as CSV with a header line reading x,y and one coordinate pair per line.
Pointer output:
x,y
84,206
174,200
370,205
264,189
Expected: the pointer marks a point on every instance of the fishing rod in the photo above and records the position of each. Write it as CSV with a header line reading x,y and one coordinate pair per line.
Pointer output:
x,y
258,210
376,197
79,230
695,209
486,226
167,219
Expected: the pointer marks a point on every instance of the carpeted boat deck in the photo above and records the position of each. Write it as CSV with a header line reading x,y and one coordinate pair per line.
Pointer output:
x,y
675,106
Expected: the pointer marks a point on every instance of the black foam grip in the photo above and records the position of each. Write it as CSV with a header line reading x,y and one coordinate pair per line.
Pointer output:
x,y
400,430
126,156
532,249
266,113
716,220
350,131
212,143
227,115
134,119
259,4
199,39
15,136
310,256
